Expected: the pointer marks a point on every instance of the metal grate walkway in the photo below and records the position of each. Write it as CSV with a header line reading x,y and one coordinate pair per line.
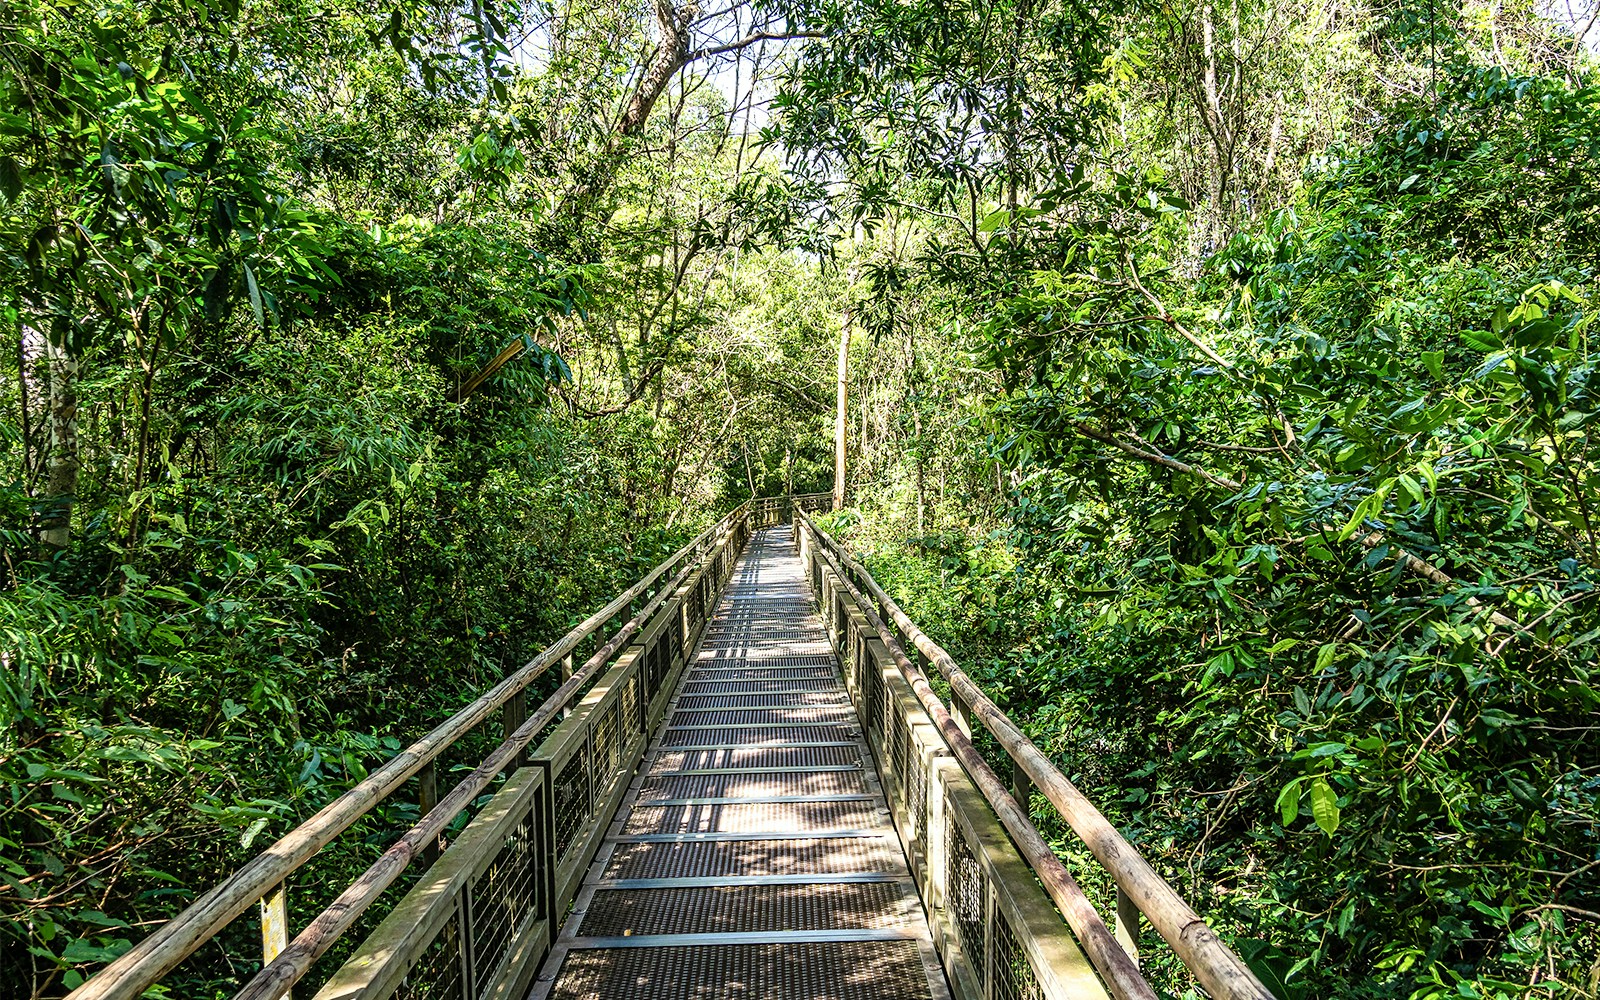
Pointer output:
x,y
753,858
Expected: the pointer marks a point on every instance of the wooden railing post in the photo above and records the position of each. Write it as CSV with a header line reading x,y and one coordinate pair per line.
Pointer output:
x,y
961,712
427,798
1127,929
1021,787
686,624
512,717
274,925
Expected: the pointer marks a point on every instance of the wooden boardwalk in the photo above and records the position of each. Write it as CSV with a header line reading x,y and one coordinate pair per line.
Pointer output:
x,y
698,812
754,855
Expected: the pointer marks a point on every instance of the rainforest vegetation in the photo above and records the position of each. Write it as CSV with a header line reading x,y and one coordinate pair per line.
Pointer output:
x,y
1220,392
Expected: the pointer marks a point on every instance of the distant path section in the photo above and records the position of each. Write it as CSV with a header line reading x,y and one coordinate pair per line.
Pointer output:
x,y
754,856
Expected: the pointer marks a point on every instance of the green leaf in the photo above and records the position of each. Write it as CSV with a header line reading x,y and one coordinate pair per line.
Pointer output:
x,y
1289,801
83,950
255,296
1325,806
1325,655
1347,919
994,220
254,830
1302,701
1524,791
1434,362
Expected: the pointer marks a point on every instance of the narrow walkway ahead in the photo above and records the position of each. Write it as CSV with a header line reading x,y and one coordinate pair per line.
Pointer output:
x,y
754,856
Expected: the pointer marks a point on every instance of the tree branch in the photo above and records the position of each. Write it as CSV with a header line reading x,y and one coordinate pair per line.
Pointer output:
x,y
1409,561
749,40
1154,457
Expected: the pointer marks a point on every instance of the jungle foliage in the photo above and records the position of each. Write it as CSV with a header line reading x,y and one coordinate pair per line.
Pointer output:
x,y
1221,393
1288,548
354,357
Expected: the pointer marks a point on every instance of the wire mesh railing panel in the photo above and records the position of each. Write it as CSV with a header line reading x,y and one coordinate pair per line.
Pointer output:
x,y
503,894
572,795
898,738
607,748
437,975
1013,975
632,710
966,892
917,800
872,697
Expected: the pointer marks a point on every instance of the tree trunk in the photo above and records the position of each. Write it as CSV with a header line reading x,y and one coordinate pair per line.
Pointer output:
x,y
32,382
670,58
62,483
841,414
922,472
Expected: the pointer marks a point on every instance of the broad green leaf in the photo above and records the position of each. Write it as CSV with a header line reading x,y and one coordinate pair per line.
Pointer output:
x,y
1324,806
1289,802
1411,488
1325,655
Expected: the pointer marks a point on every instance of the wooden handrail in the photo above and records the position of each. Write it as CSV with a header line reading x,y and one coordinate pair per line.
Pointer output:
x,y
279,975
1222,972
1109,959
142,966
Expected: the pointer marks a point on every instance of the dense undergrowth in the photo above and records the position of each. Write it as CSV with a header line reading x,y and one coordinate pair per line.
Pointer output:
x,y
1219,390
352,362
194,677
1382,780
